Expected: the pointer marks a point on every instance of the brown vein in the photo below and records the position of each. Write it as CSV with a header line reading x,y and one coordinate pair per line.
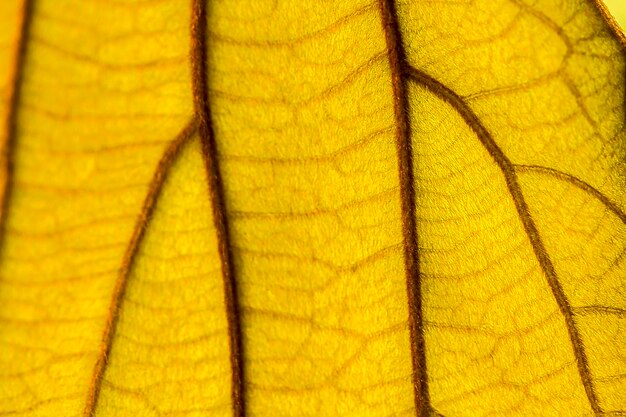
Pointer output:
x,y
510,176
291,43
589,310
330,157
199,68
396,54
575,181
331,211
154,190
7,157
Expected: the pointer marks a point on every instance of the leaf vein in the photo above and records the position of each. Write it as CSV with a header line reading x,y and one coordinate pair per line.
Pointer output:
x,y
154,190
515,190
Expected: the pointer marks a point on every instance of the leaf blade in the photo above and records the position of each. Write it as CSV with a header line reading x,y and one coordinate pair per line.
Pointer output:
x,y
87,148
509,104
171,351
310,214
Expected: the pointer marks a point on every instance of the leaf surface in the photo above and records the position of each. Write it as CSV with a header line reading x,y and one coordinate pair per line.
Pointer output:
x,y
300,208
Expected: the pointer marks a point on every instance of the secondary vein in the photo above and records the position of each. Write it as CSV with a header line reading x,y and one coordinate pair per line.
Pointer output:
x,y
15,96
508,170
110,328
577,182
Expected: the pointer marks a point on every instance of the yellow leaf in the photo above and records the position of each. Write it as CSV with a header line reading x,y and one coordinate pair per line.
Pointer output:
x,y
283,207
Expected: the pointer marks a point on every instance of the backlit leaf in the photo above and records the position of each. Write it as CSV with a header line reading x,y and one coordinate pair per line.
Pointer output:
x,y
302,208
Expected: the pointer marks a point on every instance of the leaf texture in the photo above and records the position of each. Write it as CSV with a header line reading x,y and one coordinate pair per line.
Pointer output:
x,y
312,208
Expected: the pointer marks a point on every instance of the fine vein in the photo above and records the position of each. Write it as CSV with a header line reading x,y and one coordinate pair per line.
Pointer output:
x,y
15,93
154,190
396,55
216,191
577,182
510,176
595,309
